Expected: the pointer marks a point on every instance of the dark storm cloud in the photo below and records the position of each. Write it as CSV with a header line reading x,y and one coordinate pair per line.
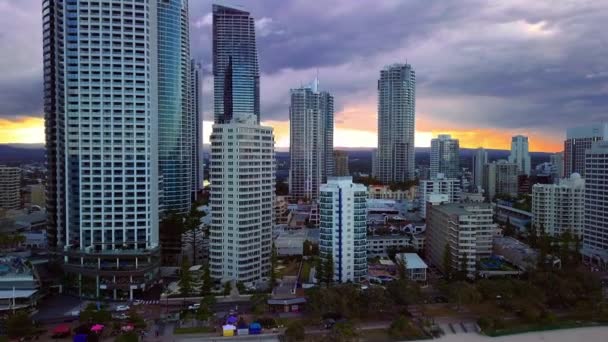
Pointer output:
x,y
510,64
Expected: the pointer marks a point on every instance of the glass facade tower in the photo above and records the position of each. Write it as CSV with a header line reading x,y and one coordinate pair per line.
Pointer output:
x,y
236,75
175,117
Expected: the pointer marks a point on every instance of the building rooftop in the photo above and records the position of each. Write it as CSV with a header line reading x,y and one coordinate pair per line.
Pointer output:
x,y
521,248
412,260
461,208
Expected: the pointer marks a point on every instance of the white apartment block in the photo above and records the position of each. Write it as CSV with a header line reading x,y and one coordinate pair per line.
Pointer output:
x,y
466,228
595,231
438,186
559,207
343,227
242,172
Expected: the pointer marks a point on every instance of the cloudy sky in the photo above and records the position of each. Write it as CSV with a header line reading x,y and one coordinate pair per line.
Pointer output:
x,y
485,70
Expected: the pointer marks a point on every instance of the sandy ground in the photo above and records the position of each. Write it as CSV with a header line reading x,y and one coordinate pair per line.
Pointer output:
x,y
593,334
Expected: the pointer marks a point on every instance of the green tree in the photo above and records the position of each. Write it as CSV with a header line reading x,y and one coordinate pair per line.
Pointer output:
x,y
91,315
447,262
207,282
227,288
402,328
462,292
185,278
135,319
259,303
402,268
509,228
19,325
343,332
319,270
273,267
328,271
192,222
295,332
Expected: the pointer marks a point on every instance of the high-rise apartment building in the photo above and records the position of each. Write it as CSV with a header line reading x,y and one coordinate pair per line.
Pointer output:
x,y
242,175
343,228
341,164
236,74
464,230
175,115
558,208
480,158
557,165
102,119
311,122
520,155
579,140
396,124
595,232
445,156
10,187
196,117
500,178
439,185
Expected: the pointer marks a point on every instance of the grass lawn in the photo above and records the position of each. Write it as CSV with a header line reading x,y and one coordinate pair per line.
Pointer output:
x,y
518,327
288,269
194,330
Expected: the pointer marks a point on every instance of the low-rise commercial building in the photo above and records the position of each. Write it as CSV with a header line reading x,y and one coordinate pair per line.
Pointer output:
x,y
415,267
19,284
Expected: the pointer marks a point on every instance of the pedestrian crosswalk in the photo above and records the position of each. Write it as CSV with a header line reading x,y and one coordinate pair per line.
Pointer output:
x,y
146,302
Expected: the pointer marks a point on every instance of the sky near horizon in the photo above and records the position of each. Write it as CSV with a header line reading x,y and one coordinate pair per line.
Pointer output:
x,y
486,70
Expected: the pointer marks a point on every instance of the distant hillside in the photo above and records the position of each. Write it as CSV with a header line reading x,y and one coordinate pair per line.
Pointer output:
x,y
21,153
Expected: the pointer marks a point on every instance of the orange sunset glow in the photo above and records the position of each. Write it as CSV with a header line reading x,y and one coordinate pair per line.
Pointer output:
x,y
351,131
24,130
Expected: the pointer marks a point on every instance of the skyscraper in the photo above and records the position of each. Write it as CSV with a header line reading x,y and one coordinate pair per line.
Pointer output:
x,y
480,158
557,165
341,164
519,154
197,127
343,229
595,243
175,117
236,75
396,123
311,118
445,156
578,140
101,114
242,175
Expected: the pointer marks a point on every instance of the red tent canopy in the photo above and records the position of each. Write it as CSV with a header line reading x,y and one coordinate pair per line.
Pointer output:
x,y
62,329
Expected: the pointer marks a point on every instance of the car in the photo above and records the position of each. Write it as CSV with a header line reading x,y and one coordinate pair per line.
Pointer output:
x,y
122,308
194,306
120,316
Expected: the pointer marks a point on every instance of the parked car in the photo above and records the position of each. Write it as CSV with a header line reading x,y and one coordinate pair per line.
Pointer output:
x,y
122,308
194,306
